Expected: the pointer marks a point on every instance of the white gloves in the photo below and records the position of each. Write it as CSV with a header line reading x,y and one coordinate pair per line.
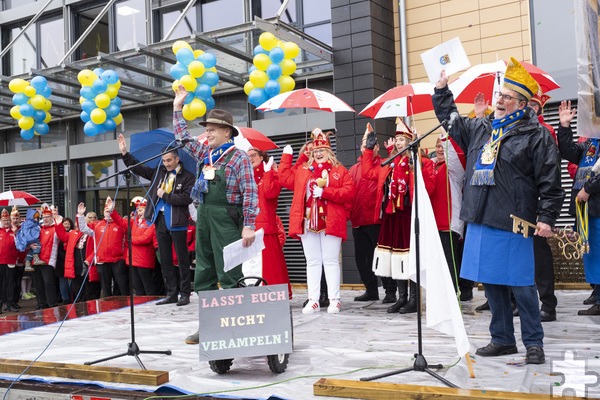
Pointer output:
x,y
317,192
288,149
268,165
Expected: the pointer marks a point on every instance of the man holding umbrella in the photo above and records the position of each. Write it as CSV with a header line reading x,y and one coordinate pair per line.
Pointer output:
x,y
170,198
227,194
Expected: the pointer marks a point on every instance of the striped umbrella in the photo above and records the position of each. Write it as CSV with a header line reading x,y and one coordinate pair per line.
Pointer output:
x,y
306,98
401,101
17,198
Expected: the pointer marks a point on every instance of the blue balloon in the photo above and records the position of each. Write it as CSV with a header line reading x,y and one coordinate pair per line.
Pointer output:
x,y
39,115
279,110
208,59
189,98
38,83
112,111
41,128
104,171
46,91
210,78
272,88
110,77
184,56
98,71
109,125
276,55
274,71
91,129
252,68
99,86
20,99
203,91
259,50
88,106
177,71
117,102
27,134
87,92
26,110
85,117
257,96
210,103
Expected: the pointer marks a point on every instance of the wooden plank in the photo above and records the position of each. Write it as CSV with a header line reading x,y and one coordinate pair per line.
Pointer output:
x,y
394,391
87,372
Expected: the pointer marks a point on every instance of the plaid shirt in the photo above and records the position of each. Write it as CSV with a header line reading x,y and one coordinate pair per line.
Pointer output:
x,y
239,178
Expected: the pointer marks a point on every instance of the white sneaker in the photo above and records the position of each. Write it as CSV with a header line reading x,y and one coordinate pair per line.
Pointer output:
x,y
334,307
311,307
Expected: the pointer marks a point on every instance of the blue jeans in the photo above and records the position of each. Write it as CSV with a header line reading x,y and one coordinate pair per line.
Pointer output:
x,y
501,326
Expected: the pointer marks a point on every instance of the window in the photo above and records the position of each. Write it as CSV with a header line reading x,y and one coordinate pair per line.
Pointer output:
x,y
51,39
22,55
186,26
97,40
269,9
217,14
10,4
130,24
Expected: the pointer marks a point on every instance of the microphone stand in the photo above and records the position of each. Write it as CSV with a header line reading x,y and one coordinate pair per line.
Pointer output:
x,y
420,363
132,347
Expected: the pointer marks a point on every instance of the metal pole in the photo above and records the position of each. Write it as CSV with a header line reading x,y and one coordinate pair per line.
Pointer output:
x,y
178,20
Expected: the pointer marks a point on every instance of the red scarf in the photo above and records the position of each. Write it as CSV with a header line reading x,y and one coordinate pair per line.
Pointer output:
x,y
398,185
317,208
259,173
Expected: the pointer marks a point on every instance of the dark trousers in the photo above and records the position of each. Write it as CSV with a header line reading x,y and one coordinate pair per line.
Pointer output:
x,y
18,272
6,284
75,287
116,271
365,241
45,286
166,241
544,273
143,282
453,250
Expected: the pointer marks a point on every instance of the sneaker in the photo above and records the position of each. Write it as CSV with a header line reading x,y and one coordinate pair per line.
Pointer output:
x,y
193,338
535,355
27,296
593,310
334,307
311,308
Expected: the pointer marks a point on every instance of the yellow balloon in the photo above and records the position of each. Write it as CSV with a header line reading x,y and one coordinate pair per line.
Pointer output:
x,y
212,69
280,43
81,99
98,116
18,85
86,77
47,105
117,84
286,83
38,101
288,67
48,117
102,100
186,111
261,61
259,78
198,108
15,113
196,69
118,119
248,87
26,123
212,89
180,44
112,91
267,40
29,91
175,85
198,53
290,50
188,83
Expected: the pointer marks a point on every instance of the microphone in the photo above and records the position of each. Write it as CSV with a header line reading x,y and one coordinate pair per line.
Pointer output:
x,y
453,117
186,140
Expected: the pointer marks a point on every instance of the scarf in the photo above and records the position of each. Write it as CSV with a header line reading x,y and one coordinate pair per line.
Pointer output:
x,y
398,185
201,185
167,183
317,207
584,171
483,173
259,172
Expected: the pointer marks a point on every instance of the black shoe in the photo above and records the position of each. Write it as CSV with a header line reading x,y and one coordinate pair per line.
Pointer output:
x,y
494,350
366,296
410,307
593,310
466,295
41,306
167,300
389,298
483,307
11,307
535,355
323,301
394,308
183,300
546,316
590,300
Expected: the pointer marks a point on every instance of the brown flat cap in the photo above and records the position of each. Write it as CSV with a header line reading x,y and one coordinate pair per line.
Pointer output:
x,y
220,117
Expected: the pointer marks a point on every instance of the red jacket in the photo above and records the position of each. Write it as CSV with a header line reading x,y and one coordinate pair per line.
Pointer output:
x,y
379,174
143,254
71,239
366,195
110,245
190,240
268,196
339,194
8,250
49,243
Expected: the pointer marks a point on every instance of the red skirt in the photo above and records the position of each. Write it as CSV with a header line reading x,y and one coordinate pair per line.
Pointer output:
x,y
274,267
395,230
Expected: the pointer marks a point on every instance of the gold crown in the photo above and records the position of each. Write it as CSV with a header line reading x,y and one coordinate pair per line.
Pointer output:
x,y
320,139
4,214
15,211
403,129
517,78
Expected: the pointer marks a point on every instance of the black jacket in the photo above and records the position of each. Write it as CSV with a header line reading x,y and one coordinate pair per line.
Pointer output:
x,y
179,198
527,175
573,152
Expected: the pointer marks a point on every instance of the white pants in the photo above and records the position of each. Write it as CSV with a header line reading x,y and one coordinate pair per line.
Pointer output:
x,y
321,249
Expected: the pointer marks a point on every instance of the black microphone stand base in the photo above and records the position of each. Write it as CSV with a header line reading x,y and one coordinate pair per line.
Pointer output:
x,y
419,365
132,350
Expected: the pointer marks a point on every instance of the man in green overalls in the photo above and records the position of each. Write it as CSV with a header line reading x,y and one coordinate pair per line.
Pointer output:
x,y
227,196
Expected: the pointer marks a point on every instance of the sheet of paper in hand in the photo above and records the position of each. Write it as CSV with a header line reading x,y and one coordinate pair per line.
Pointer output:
x,y
449,56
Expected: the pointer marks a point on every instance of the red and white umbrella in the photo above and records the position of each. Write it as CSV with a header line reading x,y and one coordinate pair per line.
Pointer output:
x,y
306,98
17,198
487,79
401,101
249,137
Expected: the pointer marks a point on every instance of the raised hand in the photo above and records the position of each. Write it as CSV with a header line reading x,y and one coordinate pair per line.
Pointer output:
x,y
81,209
180,95
122,144
269,164
443,81
371,141
566,113
480,105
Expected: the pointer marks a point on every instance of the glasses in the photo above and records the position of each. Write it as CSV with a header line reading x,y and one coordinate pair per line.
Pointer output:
x,y
505,97
252,155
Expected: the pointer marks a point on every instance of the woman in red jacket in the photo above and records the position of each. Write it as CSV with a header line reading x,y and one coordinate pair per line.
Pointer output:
x,y
274,267
395,185
323,192
8,260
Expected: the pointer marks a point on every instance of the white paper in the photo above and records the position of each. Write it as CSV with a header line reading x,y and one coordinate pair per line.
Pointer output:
x,y
450,56
235,253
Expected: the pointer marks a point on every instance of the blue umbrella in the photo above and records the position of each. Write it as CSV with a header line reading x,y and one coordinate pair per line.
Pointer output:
x,y
147,144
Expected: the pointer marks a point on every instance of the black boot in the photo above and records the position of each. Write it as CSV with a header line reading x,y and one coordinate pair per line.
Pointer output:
x,y
402,295
411,306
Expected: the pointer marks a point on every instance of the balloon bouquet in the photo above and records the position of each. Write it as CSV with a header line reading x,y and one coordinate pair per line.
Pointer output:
x,y
31,105
195,70
99,168
99,100
273,63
